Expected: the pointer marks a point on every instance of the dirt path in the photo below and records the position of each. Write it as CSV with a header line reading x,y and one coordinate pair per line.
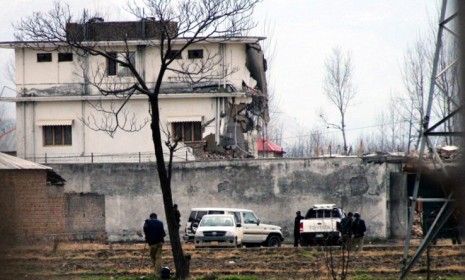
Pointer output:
x,y
72,261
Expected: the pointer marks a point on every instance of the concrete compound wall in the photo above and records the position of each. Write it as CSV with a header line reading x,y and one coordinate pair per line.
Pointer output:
x,y
85,215
274,188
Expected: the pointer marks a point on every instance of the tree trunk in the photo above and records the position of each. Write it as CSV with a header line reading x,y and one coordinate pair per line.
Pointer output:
x,y
343,130
180,261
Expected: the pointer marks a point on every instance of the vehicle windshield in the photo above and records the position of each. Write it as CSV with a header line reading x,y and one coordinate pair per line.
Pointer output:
x,y
216,222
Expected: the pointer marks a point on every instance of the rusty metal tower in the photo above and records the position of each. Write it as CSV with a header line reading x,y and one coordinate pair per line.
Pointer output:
x,y
446,27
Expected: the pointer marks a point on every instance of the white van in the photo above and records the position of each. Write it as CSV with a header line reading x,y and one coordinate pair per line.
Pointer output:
x,y
254,232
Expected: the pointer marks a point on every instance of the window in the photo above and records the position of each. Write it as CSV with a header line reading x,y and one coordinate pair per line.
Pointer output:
x,y
174,54
62,57
114,68
336,213
44,57
311,214
215,212
187,131
237,216
195,54
123,70
200,215
327,213
249,218
192,216
111,64
57,135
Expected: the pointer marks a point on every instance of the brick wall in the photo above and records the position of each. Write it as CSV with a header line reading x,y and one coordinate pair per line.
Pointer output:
x,y
34,210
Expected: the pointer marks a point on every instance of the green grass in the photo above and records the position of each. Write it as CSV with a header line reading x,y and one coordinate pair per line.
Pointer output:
x,y
367,276
310,255
362,276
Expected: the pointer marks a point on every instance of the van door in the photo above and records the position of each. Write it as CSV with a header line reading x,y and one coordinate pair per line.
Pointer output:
x,y
252,231
238,219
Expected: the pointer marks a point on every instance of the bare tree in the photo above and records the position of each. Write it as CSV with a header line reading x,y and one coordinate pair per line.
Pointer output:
x,y
184,23
416,74
9,77
339,89
337,260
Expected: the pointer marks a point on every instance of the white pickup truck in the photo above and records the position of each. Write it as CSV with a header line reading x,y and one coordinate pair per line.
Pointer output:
x,y
320,225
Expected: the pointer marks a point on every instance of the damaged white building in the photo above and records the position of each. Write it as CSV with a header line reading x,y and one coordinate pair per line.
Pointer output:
x,y
56,103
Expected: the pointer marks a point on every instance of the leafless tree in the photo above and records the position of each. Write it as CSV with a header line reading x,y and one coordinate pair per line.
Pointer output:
x,y
311,144
184,23
336,260
9,77
339,89
274,128
415,74
391,130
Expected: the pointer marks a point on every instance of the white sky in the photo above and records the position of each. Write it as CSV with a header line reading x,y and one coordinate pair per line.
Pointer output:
x,y
376,32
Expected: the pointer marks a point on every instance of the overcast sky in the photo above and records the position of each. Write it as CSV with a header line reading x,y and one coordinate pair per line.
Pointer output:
x,y
375,32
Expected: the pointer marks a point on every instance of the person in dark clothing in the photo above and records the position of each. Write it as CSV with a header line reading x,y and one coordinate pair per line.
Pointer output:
x,y
154,236
177,215
345,228
358,231
455,228
297,220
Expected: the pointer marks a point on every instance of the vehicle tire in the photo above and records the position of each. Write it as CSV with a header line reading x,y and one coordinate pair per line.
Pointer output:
x,y
273,241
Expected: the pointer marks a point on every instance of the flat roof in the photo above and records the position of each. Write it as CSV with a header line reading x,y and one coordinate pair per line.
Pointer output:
x,y
154,42
98,97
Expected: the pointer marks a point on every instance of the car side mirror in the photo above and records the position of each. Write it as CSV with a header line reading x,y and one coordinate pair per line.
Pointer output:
x,y
238,225
258,222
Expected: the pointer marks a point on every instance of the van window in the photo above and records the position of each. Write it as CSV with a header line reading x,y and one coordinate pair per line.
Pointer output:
x,y
249,218
192,216
237,216
200,214
215,212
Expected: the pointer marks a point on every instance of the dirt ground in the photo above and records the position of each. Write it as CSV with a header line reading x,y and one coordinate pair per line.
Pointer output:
x,y
131,261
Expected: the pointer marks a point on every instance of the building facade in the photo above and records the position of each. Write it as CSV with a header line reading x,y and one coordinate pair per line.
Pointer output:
x,y
59,108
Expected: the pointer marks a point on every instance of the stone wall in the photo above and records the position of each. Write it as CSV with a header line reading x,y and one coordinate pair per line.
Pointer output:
x,y
274,188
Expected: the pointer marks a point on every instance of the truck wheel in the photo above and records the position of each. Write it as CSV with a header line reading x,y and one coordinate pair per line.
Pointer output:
x,y
303,242
274,241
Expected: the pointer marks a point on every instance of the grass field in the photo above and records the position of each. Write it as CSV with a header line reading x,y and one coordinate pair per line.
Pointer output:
x,y
130,261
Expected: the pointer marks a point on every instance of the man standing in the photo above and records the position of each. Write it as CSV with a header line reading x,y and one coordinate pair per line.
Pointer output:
x,y
154,236
358,230
345,227
297,220
177,215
